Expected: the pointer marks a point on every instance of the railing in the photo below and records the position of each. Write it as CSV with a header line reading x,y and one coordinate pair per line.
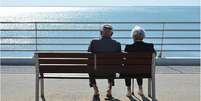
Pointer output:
x,y
163,29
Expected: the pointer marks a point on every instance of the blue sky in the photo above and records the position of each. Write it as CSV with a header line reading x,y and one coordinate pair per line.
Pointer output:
x,y
6,3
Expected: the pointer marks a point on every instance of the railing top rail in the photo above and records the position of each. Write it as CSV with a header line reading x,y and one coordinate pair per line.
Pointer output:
x,y
76,37
103,22
97,30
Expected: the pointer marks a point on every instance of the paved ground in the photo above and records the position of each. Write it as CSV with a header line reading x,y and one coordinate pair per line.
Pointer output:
x,y
173,83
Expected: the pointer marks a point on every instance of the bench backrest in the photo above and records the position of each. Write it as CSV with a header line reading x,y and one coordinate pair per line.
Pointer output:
x,y
139,64
108,62
136,63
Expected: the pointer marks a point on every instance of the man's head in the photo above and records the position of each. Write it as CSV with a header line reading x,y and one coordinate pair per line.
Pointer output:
x,y
106,30
137,33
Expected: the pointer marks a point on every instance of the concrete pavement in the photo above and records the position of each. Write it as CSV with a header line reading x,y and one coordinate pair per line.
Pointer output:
x,y
173,83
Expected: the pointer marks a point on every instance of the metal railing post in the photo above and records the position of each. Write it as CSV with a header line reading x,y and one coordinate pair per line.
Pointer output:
x,y
153,88
36,36
149,87
42,85
162,41
36,77
95,62
133,87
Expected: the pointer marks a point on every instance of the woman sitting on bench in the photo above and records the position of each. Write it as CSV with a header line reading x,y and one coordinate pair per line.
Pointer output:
x,y
138,35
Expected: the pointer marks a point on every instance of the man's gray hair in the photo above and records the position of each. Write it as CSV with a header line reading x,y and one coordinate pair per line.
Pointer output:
x,y
137,30
105,26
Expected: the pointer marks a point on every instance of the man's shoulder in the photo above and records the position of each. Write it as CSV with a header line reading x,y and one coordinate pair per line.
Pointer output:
x,y
95,40
148,44
115,41
100,41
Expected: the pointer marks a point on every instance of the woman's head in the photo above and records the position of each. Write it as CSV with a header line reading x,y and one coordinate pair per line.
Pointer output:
x,y
137,33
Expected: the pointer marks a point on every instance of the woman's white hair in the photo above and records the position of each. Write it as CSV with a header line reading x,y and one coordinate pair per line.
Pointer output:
x,y
137,30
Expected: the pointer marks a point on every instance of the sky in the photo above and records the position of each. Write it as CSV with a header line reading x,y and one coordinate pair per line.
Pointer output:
x,y
25,3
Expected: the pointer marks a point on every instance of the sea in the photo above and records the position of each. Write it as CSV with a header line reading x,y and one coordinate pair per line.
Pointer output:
x,y
23,43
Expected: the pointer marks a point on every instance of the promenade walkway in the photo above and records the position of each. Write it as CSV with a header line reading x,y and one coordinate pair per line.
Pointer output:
x,y
173,83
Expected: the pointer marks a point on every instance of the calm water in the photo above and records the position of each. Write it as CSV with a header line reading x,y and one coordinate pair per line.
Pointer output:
x,y
99,14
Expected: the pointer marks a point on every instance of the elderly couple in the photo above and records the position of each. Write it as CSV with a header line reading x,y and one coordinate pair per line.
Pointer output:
x,y
107,44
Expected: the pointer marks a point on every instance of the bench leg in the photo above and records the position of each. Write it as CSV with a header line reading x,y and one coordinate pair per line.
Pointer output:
x,y
132,89
153,89
37,87
42,86
149,87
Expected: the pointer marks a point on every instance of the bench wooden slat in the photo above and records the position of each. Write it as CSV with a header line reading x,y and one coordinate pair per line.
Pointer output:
x,y
109,55
131,61
137,69
107,61
64,61
109,68
63,69
113,59
64,55
143,55
136,75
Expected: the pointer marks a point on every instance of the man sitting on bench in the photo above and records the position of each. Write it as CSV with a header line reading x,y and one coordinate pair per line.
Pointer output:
x,y
138,35
104,45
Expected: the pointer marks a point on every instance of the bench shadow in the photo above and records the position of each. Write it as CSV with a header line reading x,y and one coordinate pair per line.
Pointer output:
x,y
131,98
144,98
114,100
108,100
43,98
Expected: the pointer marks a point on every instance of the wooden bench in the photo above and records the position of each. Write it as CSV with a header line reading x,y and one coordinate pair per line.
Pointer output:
x,y
137,63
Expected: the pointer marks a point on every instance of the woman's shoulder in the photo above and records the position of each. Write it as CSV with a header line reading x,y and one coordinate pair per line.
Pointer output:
x,y
129,45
